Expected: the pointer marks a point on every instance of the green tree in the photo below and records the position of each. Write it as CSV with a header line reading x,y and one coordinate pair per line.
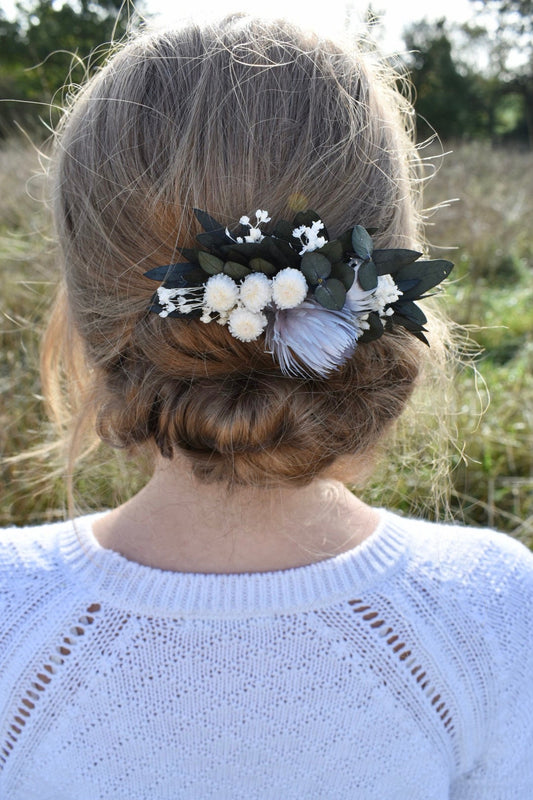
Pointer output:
x,y
48,45
450,97
512,50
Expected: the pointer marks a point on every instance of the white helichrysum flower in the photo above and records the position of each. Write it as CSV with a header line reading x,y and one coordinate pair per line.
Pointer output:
x,y
221,293
289,288
182,300
320,339
314,241
245,325
255,292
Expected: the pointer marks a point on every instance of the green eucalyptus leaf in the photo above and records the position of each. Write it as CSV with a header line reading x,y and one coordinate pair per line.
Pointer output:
x,y
261,265
388,262
367,276
236,271
315,267
427,274
375,330
346,241
210,263
332,251
362,244
344,273
331,294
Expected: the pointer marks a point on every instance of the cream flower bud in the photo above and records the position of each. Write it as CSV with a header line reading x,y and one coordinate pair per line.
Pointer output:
x,y
256,292
221,293
289,288
245,325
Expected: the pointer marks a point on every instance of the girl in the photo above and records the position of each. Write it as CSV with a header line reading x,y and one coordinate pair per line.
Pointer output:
x,y
236,211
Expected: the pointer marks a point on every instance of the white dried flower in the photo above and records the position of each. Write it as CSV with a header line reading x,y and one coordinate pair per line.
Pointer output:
x,y
385,293
256,292
221,293
182,300
312,240
289,288
255,234
311,340
243,324
262,216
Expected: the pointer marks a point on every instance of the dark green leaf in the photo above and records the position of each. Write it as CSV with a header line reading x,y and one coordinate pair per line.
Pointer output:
x,y
207,240
367,276
206,221
362,244
389,261
331,294
343,273
411,311
427,273
315,267
171,272
261,265
280,253
332,251
210,263
190,253
305,218
236,271
283,230
375,331
234,252
346,241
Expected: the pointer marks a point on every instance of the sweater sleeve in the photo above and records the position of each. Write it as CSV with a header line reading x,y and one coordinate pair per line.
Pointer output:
x,y
504,771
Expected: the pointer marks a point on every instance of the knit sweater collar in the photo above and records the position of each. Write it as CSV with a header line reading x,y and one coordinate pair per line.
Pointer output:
x,y
110,577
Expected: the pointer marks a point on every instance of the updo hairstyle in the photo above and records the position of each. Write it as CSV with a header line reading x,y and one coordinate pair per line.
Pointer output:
x,y
229,119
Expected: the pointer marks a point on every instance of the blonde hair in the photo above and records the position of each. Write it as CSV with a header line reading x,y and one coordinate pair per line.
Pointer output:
x,y
228,118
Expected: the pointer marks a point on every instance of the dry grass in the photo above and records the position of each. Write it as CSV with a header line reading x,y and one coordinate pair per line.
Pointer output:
x,y
492,473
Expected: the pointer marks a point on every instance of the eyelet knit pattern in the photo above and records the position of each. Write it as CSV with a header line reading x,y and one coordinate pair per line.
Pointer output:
x,y
400,670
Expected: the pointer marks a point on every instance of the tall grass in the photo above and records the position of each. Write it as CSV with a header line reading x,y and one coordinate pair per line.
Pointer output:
x,y
492,290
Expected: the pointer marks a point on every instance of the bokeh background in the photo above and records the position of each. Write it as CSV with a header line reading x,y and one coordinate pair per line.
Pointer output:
x,y
471,76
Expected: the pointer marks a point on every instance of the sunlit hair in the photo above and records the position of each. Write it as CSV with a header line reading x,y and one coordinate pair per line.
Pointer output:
x,y
229,118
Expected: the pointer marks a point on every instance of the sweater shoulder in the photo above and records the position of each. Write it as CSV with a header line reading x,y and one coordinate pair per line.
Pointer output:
x,y
467,555
487,573
29,557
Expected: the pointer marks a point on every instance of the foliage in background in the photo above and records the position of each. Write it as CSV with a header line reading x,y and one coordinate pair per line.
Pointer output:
x,y
47,42
456,97
513,35
491,460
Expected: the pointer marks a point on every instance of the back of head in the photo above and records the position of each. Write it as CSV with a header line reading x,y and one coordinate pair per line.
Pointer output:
x,y
230,118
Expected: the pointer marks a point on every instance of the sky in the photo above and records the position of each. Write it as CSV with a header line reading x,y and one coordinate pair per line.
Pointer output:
x,y
324,16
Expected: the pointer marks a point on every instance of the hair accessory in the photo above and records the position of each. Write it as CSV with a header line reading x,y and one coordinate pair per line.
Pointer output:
x,y
313,298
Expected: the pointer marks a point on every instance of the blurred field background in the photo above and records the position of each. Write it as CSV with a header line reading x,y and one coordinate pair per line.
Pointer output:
x,y
490,463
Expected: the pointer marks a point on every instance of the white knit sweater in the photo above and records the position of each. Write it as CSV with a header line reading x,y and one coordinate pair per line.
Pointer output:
x,y
401,670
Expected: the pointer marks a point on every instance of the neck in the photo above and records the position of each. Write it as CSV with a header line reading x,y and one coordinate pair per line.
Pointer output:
x,y
177,523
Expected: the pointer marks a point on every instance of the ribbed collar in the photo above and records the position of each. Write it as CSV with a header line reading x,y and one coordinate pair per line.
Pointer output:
x,y
110,577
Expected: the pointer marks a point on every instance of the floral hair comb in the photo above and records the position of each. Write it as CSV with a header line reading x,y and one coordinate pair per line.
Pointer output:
x,y
314,299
